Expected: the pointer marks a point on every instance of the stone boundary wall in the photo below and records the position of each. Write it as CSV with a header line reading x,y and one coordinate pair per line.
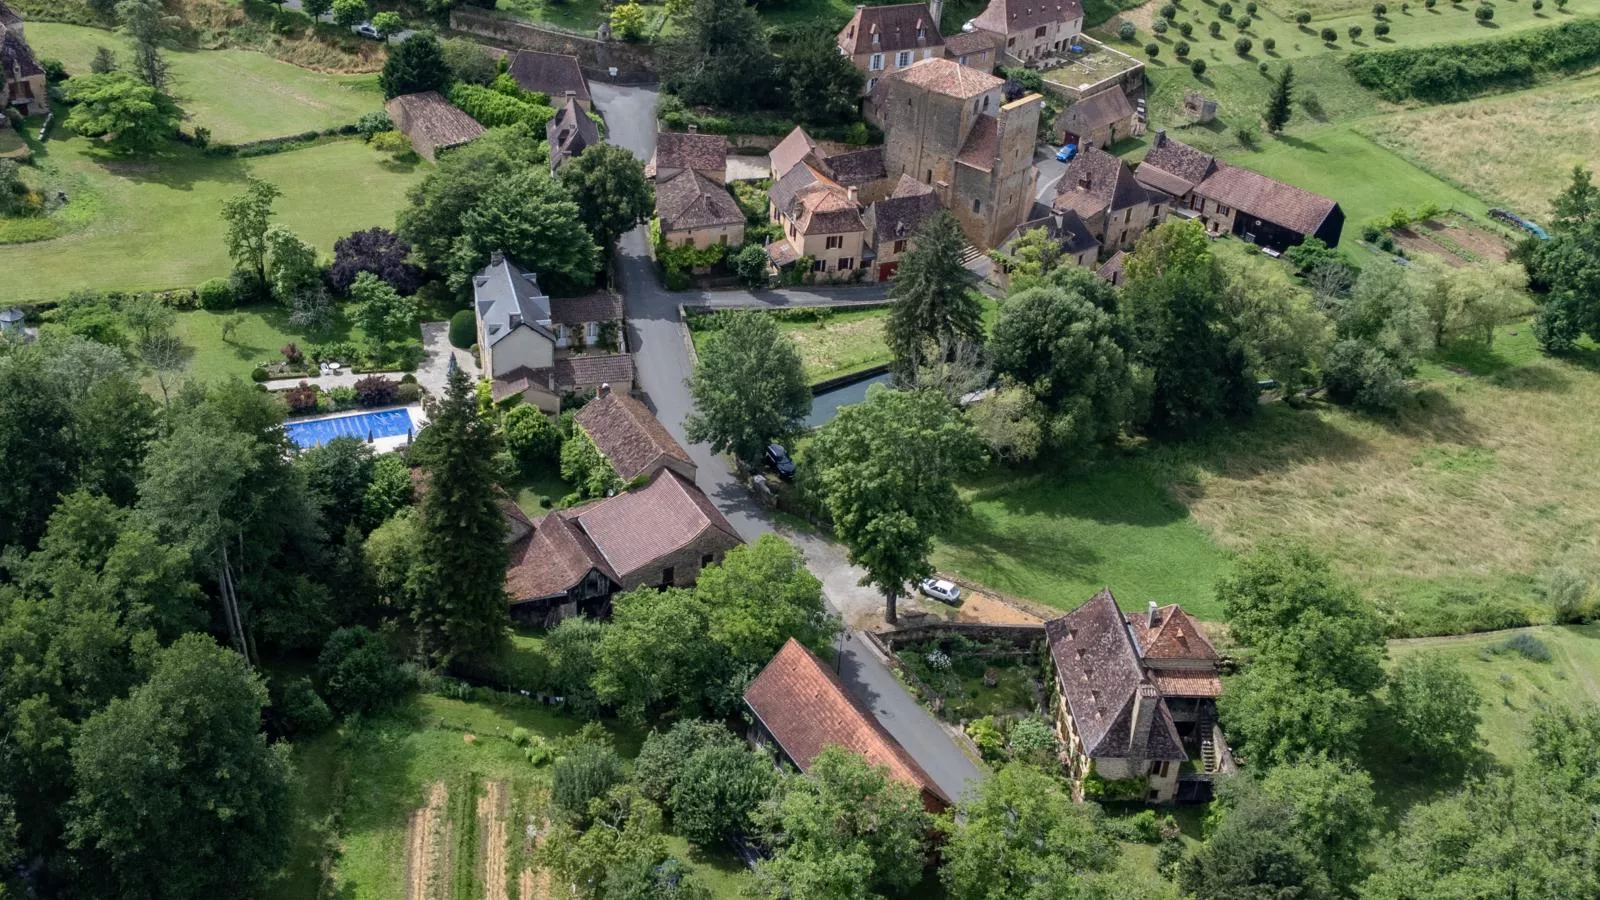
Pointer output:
x,y
1022,637
635,63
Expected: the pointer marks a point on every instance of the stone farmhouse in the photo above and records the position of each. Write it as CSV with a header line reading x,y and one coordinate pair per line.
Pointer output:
x,y
432,123
860,169
949,126
1101,189
540,348
1101,119
696,211
569,132
677,151
882,40
573,561
1071,233
633,441
1135,701
800,707
1234,200
892,224
821,221
1030,28
21,76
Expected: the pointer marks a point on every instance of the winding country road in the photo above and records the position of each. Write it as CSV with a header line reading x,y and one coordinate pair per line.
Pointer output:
x,y
662,362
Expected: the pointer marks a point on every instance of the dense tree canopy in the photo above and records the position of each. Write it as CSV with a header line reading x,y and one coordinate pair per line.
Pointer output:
x,y
376,250
820,85
1567,266
414,66
935,305
533,219
128,115
609,186
749,387
719,57
432,220
1433,708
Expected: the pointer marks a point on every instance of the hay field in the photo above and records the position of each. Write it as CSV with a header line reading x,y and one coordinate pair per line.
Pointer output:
x,y
1515,150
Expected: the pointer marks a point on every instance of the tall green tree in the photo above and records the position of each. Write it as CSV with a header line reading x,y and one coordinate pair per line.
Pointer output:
x,y
1255,854
749,387
843,830
718,792
248,216
1061,343
609,186
533,219
885,469
1331,808
822,86
1284,335
1281,104
432,221
36,449
338,475
1567,267
1022,837
1381,332
148,24
1433,707
385,316
759,597
719,57
177,793
1034,255
1276,715
414,66
1173,296
460,602
934,302
126,114
292,269
622,855
657,655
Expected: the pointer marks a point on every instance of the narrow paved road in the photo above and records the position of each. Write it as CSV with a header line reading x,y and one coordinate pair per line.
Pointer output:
x,y
661,360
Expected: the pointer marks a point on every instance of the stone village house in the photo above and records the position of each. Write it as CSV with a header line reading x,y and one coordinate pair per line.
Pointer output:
x,y
1135,701
542,348
432,123
22,79
1030,28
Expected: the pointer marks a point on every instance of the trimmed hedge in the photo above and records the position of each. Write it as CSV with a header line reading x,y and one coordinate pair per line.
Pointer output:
x,y
1446,73
492,108
463,329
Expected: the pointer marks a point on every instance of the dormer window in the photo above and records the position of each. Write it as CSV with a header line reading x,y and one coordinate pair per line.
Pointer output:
x,y
875,38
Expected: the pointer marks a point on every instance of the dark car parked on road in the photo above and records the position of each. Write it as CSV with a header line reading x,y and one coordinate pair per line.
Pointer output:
x,y
778,458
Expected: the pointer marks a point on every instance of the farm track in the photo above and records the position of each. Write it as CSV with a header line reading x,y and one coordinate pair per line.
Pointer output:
x,y
492,808
423,843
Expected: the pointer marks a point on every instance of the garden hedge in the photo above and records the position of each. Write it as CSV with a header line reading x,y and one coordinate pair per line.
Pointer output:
x,y
1447,73
463,329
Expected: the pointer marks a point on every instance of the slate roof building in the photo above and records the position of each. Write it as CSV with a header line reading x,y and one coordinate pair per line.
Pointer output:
x,y
1068,229
631,438
552,74
1135,700
881,40
23,85
432,123
865,170
569,132
1101,189
542,348
1031,28
801,708
1234,200
893,223
574,560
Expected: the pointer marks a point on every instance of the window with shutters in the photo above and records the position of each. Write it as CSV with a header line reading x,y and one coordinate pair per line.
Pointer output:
x,y
834,242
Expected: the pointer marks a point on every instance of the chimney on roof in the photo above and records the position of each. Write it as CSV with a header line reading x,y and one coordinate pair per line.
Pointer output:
x,y
694,129
936,11
497,258
605,389
855,195
1061,220
1153,619
1145,699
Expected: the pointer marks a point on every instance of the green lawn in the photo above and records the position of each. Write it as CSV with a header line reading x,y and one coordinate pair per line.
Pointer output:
x,y
154,224
262,333
240,95
1513,686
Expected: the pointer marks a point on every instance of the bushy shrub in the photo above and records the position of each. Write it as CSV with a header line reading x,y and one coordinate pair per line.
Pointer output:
x,y
1160,26
1152,50
679,280
1126,31
583,775
1198,67
372,123
247,287
303,711
463,329
1382,28
376,390
1483,13
1525,645
215,293
408,393
1354,31
1448,73
1186,29
1269,44
1214,29
1245,23
532,439
1169,12
357,674
259,374
1242,46
1250,8
394,142
302,398
1181,48
1329,36
1302,17
492,108
1379,10
1225,10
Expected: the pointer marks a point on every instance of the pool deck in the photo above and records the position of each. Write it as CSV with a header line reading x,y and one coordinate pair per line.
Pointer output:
x,y
381,444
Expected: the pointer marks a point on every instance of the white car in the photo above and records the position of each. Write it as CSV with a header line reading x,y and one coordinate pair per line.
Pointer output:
x,y
940,589
367,30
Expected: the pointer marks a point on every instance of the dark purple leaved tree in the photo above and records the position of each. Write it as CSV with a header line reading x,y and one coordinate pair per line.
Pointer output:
x,y
376,250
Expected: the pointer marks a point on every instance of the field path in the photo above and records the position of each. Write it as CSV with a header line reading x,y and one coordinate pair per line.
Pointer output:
x,y
424,841
492,826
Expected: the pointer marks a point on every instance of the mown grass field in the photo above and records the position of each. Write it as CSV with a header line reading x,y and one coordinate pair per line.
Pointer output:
x,y
1514,686
151,224
262,333
1554,128
240,95
831,343
1474,493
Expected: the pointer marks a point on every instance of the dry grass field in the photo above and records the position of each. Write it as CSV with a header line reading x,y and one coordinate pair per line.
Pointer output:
x,y
1517,150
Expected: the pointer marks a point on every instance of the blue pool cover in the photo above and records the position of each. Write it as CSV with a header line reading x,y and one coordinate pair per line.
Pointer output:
x,y
382,423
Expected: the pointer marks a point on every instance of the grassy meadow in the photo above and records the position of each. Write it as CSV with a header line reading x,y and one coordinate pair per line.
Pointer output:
x,y
240,95
154,223
1459,503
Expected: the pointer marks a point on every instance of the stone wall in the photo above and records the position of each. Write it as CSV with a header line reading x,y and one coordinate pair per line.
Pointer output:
x,y
635,63
1023,637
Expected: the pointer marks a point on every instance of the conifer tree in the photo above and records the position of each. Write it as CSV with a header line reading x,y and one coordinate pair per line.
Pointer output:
x,y
933,303
1278,108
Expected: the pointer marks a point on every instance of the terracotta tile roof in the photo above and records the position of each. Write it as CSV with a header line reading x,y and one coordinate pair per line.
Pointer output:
x,y
1175,167
601,306
1102,176
1013,16
983,142
857,167
1266,198
1096,111
968,43
946,76
550,74
905,26
1187,684
806,708
781,253
593,370
690,200
628,435
794,148
430,115
903,214
634,529
552,560
815,204
1174,636
520,379
1101,678
1111,269
701,152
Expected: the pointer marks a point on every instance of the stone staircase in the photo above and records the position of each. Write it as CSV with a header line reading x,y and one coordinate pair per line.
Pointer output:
x,y
1208,751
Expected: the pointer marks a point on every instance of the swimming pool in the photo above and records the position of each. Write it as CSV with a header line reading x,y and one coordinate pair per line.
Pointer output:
x,y
361,426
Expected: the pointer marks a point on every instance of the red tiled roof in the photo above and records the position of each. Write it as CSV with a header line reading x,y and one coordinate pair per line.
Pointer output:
x,y
1266,198
806,708
896,27
970,42
628,435
593,370
690,200
555,558
602,306
948,77
983,142
781,253
1111,269
1187,684
1107,107
633,529
1173,166
431,116
1175,636
702,152
1096,174
794,147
